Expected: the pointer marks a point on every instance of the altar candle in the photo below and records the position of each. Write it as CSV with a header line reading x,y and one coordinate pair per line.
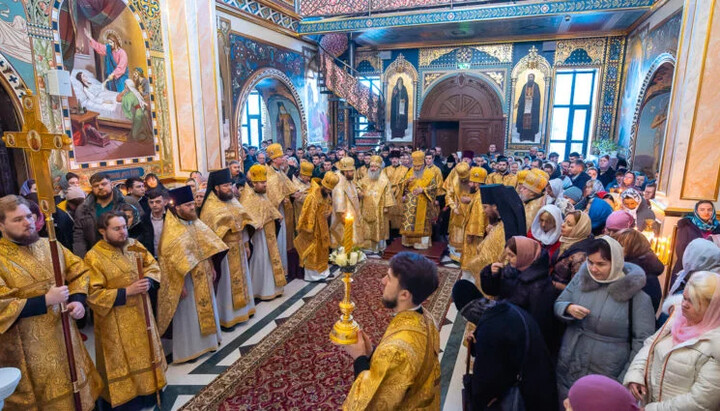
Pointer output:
x,y
348,233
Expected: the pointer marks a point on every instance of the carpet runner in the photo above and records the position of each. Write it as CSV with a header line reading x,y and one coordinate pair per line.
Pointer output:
x,y
296,367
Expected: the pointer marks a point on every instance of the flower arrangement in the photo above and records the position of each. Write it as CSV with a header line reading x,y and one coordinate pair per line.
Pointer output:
x,y
603,146
342,259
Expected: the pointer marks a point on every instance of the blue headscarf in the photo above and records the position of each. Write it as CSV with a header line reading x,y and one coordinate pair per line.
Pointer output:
x,y
599,211
702,225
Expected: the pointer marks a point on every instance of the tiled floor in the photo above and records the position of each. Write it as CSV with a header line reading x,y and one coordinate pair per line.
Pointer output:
x,y
185,380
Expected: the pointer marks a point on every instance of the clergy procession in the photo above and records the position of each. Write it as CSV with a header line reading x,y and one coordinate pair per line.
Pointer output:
x,y
557,284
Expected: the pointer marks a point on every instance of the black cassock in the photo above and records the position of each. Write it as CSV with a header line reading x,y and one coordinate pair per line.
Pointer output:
x,y
399,111
528,131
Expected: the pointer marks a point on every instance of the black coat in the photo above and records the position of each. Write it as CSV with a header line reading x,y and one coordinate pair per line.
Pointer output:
x,y
499,349
653,268
147,234
580,180
530,289
85,233
607,177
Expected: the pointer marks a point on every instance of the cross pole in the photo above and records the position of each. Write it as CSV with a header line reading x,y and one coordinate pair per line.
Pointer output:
x,y
38,143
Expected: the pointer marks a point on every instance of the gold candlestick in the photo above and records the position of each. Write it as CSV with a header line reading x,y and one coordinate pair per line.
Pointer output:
x,y
345,330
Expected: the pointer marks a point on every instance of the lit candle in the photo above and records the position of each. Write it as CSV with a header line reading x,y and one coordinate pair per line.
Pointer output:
x,y
348,233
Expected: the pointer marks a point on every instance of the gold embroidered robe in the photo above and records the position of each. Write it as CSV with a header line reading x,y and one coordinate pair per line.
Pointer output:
x,y
227,219
404,369
279,188
263,215
302,191
508,179
35,344
531,209
377,196
313,233
123,356
458,211
417,209
479,252
361,172
395,175
345,200
186,248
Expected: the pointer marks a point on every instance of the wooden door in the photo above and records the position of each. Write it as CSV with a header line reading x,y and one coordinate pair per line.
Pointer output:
x,y
445,135
477,135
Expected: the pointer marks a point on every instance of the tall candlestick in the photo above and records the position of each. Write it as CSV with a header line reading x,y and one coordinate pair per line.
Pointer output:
x,y
348,233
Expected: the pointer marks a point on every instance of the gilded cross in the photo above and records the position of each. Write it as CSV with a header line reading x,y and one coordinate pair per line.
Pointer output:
x,y
38,143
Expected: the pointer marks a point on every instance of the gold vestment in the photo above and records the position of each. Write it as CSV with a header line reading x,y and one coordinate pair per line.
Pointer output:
x,y
227,219
313,233
302,191
122,351
279,188
458,210
404,369
345,200
361,172
479,252
186,248
377,196
35,344
417,209
395,175
531,209
263,215
508,179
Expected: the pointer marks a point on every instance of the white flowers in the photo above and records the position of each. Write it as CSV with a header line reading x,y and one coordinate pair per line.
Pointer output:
x,y
342,259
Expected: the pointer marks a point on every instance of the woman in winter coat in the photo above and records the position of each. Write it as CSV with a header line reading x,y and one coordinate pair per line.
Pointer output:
x,y
700,255
525,282
576,237
702,223
546,228
608,316
637,251
678,368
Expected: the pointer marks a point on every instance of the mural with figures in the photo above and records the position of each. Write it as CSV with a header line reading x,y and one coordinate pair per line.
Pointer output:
x,y
15,44
644,45
110,111
316,103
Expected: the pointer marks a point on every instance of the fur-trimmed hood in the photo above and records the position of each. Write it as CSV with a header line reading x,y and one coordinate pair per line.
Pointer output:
x,y
622,289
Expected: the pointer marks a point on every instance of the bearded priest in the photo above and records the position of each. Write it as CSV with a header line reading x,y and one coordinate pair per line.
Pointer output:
x,y
376,203
279,188
303,184
227,218
266,270
125,358
395,173
419,188
313,238
458,198
188,252
346,199
31,333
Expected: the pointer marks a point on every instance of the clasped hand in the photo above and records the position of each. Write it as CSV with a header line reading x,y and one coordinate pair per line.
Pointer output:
x,y
363,346
58,295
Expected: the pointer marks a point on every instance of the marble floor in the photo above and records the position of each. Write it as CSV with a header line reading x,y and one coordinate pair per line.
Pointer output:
x,y
185,380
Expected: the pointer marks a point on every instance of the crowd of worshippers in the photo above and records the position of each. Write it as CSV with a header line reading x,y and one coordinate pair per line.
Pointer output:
x,y
558,284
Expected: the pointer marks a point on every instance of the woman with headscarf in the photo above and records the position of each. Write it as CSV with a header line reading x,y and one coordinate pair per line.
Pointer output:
x,y
546,228
702,223
634,203
699,255
522,279
576,236
599,393
28,187
617,221
608,316
598,211
636,248
678,368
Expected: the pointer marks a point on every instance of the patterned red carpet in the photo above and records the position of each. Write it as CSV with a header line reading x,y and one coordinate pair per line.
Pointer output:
x,y
296,367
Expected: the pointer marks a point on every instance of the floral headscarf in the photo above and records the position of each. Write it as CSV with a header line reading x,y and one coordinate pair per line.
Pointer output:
x,y
702,224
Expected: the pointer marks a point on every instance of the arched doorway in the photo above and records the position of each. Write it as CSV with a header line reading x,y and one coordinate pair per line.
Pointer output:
x,y
13,167
648,132
462,112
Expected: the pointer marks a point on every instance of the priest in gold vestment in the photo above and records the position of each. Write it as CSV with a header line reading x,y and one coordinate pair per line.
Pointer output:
x,y
403,371
31,335
531,188
458,199
125,358
395,173
279,190
302,184
227,218
266,270
313,233
419,188
187,296
375,206
346,199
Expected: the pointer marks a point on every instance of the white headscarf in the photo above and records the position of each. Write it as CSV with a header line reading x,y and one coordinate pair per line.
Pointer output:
x,y
547,238
617,261
556,186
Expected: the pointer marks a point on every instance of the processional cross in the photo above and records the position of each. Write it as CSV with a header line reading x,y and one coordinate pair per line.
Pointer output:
x,y
38,143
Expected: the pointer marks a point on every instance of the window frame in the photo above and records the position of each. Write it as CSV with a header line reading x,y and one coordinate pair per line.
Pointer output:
x,y
247,118
572,108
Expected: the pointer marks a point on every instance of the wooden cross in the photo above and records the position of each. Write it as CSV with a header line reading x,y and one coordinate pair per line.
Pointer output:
x,y
38,143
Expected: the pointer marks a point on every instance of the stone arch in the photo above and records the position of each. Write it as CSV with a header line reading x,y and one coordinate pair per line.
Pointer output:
x,y
252,81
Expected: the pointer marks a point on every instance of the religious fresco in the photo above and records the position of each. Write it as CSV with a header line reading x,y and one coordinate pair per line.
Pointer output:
x,y
400,87
15,48
316,103
110,111
531,78
644,46
284,121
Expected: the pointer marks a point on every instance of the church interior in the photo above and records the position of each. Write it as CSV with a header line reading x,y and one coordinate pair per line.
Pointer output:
x,y
172,91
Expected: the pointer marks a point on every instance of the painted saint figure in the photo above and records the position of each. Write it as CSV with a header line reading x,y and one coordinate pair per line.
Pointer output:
x,y
115,61
399,110
285,126
135,109
528,111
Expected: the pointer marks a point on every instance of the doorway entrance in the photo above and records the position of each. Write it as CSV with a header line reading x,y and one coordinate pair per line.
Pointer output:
x,y
461,113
